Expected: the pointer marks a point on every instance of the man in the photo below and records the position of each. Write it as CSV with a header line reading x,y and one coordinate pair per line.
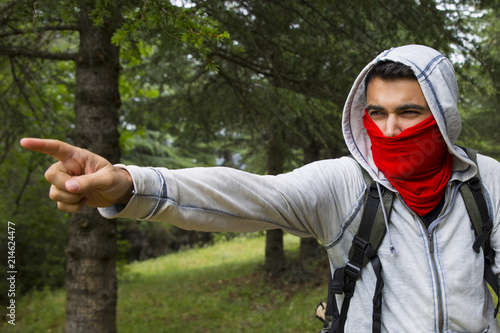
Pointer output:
x,y
400,123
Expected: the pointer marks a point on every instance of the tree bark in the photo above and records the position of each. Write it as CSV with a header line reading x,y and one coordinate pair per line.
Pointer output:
x,y
91,283
275,253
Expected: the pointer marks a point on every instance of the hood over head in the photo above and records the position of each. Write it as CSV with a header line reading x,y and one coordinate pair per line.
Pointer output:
x,y
436,77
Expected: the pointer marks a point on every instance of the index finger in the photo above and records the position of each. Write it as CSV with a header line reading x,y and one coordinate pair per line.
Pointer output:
x,y
61,151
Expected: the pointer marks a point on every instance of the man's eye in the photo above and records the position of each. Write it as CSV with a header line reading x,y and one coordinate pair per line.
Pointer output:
x,y
411,113
376,114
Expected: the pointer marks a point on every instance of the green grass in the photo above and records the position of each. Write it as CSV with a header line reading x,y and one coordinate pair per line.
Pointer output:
x,y
221,288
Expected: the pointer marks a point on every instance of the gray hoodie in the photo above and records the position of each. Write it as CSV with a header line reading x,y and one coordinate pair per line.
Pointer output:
x,y
433,279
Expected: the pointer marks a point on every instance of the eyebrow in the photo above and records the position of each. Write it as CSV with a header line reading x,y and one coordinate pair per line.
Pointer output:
x,y
399,108
374,107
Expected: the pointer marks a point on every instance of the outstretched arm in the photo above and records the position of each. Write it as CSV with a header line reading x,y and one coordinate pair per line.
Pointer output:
x,y
80,177
313,200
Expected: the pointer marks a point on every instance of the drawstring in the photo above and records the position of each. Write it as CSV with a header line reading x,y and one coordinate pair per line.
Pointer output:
x,y
391,246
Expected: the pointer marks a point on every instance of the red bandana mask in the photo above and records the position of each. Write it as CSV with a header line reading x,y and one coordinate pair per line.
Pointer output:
x,y
416,162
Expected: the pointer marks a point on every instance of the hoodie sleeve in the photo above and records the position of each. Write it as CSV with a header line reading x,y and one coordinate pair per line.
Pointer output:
x,y
490,176
312,201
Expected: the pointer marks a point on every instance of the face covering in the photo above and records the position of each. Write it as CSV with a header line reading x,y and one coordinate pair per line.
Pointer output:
x,y
416,162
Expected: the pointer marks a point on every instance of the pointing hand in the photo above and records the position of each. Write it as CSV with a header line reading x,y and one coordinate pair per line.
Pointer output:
x,y
81,177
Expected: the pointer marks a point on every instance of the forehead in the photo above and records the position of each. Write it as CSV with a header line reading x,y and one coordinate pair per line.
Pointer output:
x,y
394,92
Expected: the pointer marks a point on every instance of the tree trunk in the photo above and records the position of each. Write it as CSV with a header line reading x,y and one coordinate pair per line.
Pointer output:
x,y
309,246
275,253
91,283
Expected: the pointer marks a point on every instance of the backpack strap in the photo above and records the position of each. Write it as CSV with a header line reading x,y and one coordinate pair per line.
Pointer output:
x,y
364,248
477,209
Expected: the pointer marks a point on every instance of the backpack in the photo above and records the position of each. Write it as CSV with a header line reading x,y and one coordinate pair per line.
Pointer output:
x,y
368,237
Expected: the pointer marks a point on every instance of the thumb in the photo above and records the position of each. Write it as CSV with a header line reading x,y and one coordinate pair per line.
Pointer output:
x,y
72,185
80,184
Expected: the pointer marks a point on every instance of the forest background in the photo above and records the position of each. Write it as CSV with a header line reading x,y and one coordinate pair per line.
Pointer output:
x,y
254,85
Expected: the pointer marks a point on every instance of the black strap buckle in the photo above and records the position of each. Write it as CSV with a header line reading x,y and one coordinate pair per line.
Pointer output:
x,y
352,272
373,191
489,256
484,236
488,226
474,184
359,243
337,283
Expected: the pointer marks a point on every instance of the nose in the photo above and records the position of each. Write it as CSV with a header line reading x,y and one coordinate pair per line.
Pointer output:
x,y
392,127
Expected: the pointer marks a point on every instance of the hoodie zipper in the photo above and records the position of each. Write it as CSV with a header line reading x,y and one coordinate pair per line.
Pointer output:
x,y
430,239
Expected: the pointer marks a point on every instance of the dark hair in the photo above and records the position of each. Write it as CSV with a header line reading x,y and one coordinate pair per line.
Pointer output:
x,y
388,71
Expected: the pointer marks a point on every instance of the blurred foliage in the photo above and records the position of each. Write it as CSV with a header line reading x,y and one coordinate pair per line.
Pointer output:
x,y
479,80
